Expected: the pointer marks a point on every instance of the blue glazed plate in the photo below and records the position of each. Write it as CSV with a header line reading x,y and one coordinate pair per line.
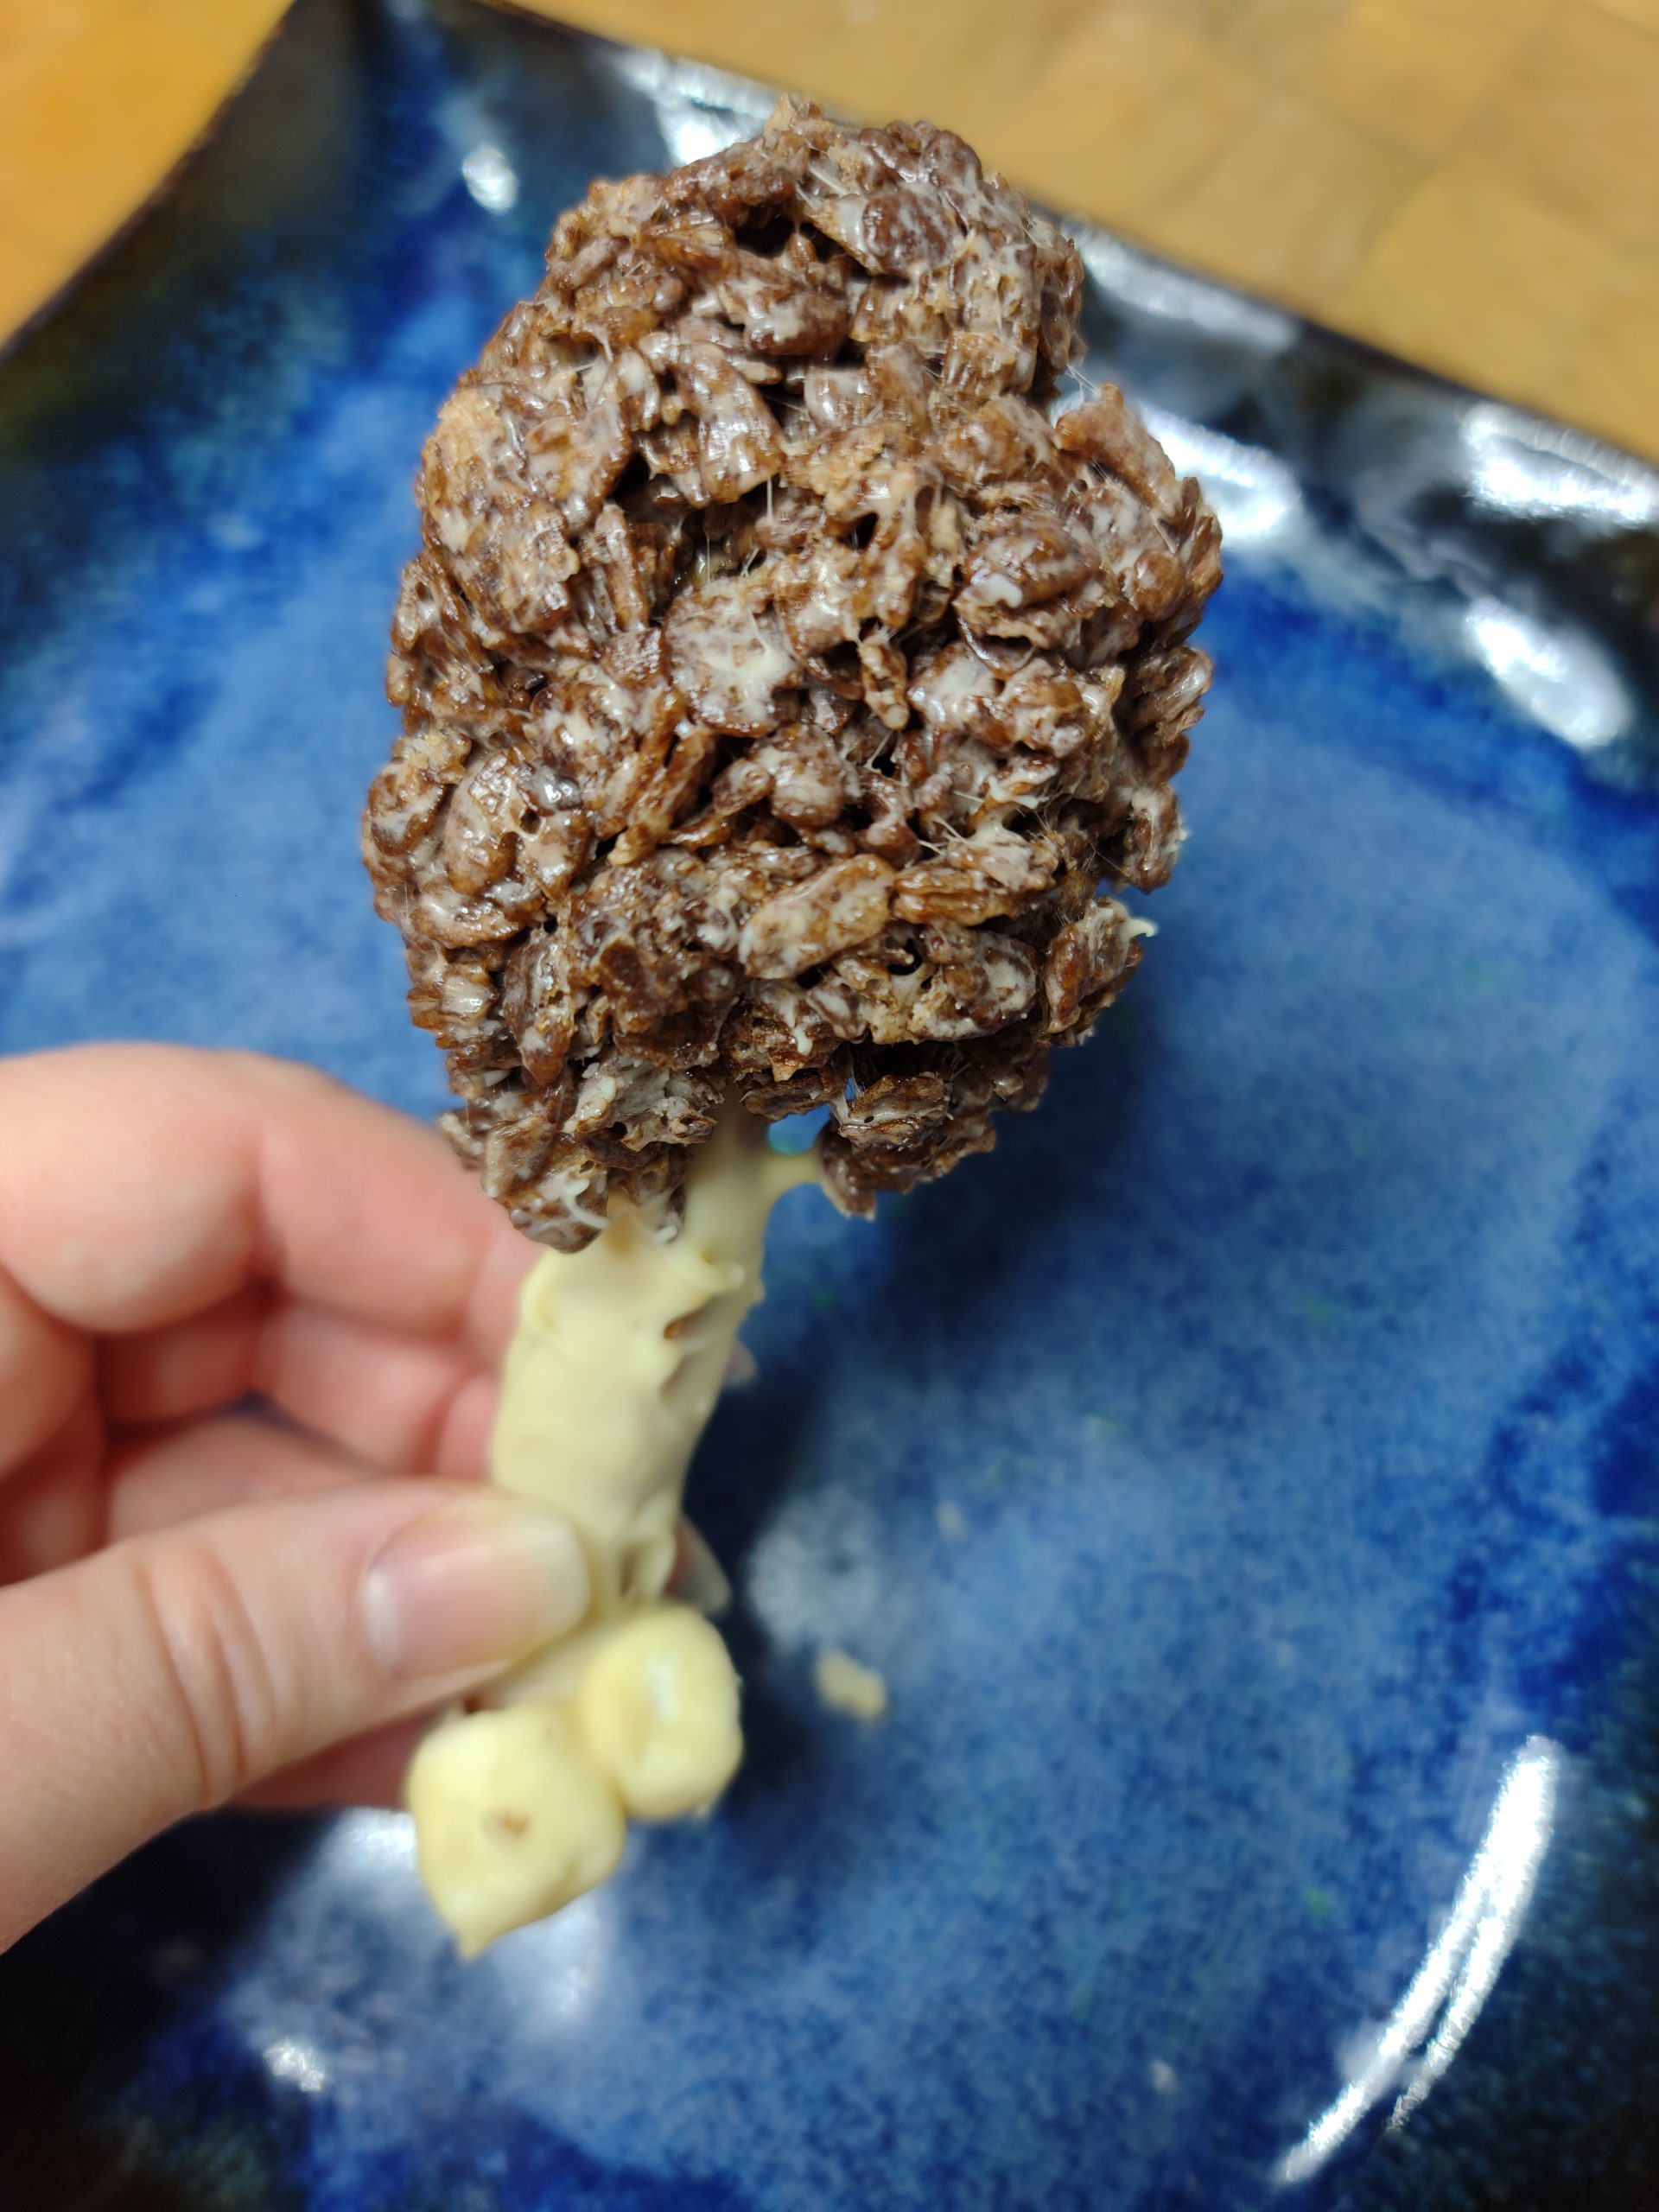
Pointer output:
x,y
1244,1478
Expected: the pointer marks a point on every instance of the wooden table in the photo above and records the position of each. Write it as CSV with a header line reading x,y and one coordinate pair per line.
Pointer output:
x,y
1473,183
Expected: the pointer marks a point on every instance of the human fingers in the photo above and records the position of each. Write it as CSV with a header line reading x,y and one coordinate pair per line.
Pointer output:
x,y
183,1471
52,1506
140,1184
189,1366
170,1672
45,1367
368,1771
401,1402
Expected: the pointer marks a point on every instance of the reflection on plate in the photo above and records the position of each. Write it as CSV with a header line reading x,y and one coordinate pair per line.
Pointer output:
x,y
1243,1480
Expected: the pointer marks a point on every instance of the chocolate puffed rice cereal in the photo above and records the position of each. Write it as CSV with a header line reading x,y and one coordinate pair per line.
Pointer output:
x,y
780,684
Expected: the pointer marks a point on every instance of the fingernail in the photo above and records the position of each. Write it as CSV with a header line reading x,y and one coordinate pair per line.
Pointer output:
x,y
479,1583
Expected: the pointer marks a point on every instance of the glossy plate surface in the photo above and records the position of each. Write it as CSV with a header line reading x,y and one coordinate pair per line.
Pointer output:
x,y
1244,1478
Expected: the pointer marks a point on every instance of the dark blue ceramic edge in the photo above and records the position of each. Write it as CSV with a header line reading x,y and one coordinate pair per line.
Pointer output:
x,y
1488,539
21,333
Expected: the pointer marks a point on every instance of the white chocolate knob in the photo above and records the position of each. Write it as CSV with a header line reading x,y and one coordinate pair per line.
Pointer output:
x,y
658,1704
513,1818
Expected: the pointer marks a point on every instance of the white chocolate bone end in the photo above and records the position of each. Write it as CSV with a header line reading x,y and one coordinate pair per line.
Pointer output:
x,y
659,1705
513,1819
615,1367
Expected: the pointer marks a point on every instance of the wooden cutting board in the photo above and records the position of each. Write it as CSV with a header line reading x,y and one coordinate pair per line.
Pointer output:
x,y
1472,183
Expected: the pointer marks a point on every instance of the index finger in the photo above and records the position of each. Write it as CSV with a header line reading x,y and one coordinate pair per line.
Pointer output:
x,y
140,1184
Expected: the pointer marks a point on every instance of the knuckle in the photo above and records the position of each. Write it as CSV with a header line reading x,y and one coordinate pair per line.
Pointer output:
x,y
235,1703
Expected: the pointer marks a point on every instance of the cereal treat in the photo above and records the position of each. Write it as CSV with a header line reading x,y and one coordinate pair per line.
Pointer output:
x,y
780,684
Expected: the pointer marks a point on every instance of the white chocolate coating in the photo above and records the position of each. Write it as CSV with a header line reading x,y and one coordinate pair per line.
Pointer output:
x,y
846,1685
613,1373
513,1819
658,1708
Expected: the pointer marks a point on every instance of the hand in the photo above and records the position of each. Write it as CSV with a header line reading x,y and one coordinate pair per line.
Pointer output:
x,y
202,1597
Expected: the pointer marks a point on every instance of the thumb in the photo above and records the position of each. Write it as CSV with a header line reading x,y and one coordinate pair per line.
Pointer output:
x,y
164,1675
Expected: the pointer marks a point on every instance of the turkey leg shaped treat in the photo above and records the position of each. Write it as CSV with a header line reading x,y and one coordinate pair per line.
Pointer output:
x,y
783,678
